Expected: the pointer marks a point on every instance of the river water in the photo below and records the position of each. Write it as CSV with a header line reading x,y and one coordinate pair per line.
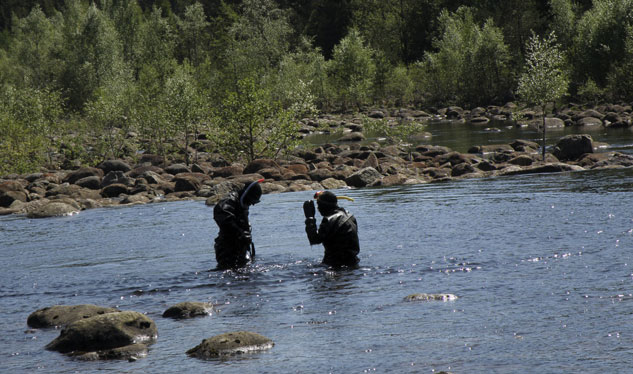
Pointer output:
x,y
542,266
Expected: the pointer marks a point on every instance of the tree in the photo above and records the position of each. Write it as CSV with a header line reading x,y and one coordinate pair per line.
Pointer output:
x,y
545,79
600,42
183,105
249,126
28,120
351,70
471,65
258,41
193,33
34,50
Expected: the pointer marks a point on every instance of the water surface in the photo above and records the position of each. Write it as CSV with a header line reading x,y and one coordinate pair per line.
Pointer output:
x,y
541,265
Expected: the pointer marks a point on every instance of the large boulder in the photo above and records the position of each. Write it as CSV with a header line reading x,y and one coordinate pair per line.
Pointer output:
x,y
188,309
81,173
92,182
116,176
114,190
52,209
188,182
105,332
62,315
114,165
11,191
177,169
230,344
262,163
363,177
572,147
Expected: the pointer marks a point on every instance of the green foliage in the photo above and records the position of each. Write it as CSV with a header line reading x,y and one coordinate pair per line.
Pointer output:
x,y
183,105
34,51
250,126
150,115
620,78
399,87
300,83
193,34
563,21
110,116
401,29
351,71
545,79
258,41
471,64
600,42
28,119
590,92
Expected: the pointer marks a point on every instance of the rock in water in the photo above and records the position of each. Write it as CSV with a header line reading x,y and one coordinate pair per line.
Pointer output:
x,y
230,344
62,315
188,309
431,297
104,332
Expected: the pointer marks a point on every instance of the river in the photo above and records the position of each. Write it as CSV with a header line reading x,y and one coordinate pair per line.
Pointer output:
x,y
542,266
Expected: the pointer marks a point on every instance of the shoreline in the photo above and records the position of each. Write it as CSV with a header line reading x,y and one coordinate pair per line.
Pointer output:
x,y
351,163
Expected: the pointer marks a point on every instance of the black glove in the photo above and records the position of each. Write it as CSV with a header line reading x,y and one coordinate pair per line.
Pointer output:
x,y
308,208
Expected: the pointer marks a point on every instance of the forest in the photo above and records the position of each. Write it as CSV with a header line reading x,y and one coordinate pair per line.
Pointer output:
x,y
244,72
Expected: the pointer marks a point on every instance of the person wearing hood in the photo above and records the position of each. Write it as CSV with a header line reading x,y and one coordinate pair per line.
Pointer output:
x,y
234,246
338,231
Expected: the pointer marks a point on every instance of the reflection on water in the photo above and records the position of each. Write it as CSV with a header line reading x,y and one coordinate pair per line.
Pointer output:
x,y
541,265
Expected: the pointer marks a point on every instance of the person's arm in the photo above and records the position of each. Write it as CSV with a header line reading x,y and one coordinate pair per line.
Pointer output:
x,y
311,228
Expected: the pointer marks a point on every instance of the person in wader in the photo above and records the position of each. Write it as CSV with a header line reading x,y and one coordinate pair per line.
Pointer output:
x,y
234,245
338,231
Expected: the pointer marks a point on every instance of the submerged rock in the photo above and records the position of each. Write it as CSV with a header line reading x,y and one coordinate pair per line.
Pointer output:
x,y
431,297
61,315
230,344
188,309
105,332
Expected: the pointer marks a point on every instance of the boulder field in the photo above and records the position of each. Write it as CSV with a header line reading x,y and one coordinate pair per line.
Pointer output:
x,y
351,162
57,193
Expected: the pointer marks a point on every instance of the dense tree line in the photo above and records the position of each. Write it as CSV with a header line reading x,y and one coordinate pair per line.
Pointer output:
x,y
243,71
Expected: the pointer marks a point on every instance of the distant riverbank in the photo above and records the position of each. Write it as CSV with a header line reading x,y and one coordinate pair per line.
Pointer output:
x,y
352,160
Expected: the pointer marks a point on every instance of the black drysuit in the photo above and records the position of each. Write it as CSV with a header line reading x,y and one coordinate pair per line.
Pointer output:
x,y
338,233
233,243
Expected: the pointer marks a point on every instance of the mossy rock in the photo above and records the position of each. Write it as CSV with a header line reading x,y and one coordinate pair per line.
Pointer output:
x,y
62,315
104,332
431,297
130,352
231,343
188,309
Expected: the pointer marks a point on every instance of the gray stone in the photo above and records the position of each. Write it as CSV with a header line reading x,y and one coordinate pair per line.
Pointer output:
x,y
431,297
188,309
61,315
114,165
571,147
231,343
52,209
363,177
104,332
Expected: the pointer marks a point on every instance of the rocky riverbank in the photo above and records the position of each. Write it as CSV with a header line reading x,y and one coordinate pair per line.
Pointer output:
x,y
351,162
